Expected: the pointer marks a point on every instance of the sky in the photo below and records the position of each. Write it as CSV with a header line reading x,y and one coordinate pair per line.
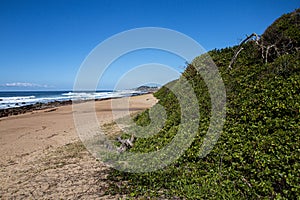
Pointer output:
x,y
43,43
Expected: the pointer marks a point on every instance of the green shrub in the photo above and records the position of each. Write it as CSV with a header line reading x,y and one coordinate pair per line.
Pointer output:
x,y
258,154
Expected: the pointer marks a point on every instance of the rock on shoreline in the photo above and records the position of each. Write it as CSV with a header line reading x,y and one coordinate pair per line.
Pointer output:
x,y
29,108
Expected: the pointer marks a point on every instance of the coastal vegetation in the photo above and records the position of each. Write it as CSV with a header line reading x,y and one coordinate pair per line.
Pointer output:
x,y
257,155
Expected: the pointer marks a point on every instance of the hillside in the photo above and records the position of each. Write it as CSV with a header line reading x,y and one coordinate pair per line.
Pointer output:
x,y
258,153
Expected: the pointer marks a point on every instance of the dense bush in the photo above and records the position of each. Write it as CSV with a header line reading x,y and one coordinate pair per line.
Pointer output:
x,y
284,34
258,154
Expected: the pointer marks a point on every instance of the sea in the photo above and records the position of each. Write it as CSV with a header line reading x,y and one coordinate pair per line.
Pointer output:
x,y
14,99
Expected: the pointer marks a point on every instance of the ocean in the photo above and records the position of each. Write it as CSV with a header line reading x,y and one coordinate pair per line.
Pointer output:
x,y
13,99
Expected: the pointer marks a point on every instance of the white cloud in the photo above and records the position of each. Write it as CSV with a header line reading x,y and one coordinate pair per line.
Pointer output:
x,y
22,84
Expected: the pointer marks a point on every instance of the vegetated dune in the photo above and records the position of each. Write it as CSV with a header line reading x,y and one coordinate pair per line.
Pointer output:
x,y
258,153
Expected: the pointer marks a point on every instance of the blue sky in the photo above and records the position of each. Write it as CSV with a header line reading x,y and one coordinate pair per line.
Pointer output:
x,y
44,42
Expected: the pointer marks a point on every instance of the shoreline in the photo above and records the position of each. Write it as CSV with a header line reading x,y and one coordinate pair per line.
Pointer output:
x,y
50,105
53,124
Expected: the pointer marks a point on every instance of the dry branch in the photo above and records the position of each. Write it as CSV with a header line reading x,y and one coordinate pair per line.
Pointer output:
x,y
240,48
125,144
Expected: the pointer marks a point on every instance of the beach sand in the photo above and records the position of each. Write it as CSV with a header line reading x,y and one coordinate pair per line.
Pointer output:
x,y
42,157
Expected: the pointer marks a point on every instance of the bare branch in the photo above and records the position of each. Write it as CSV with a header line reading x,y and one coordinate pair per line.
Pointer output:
x,y
234,57
240,48
125,144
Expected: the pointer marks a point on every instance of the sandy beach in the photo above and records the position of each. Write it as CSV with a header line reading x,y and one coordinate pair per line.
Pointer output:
x,y
42,157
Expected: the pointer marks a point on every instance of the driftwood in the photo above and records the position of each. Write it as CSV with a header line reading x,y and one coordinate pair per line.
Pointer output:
x,y
125,144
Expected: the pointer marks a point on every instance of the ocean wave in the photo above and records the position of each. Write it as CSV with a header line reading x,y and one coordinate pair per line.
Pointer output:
x,y
19,101
17,98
